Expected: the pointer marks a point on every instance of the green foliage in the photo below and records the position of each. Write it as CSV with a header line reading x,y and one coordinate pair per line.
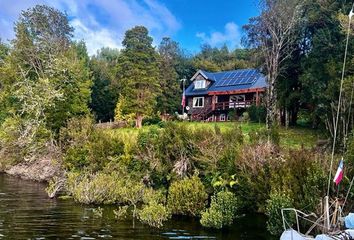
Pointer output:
x,y
45,81
138,71
264,134
97,189
121,212
222,210
303,176
222,59
245,117
89,148
176,148
154,214
105,91
276,202
24,131
187,197
72,79
349,154
257,113
4,49
168,99
105,188
151,120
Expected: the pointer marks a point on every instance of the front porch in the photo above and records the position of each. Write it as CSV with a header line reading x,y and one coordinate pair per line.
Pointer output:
x,y
217,106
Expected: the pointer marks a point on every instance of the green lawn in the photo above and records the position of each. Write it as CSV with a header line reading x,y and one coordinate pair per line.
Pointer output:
x,y
289,138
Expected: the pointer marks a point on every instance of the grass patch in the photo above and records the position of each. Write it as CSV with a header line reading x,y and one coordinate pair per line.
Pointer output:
x,y
294,137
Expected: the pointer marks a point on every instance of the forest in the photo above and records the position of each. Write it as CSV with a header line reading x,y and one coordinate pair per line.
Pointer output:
x,y
53,95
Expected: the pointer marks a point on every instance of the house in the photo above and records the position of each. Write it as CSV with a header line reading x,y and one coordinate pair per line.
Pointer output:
x,y
218,96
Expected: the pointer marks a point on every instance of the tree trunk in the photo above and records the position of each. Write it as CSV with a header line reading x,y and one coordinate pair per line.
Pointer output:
x,y
138,121
272,111
287,113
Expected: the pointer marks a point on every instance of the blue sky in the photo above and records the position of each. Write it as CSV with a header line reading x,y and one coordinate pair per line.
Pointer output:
x,y
103,22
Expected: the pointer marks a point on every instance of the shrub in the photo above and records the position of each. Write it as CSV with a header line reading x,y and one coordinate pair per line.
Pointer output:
x,y
87,147
97,189
245,117
154,214
187,197
277,201
257,113
176,148
151,120
121,212
222,210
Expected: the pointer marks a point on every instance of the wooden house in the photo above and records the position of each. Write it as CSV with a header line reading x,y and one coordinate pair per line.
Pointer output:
x,y
218,96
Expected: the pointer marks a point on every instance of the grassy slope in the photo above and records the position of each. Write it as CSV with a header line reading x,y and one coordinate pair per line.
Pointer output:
x,y
289,138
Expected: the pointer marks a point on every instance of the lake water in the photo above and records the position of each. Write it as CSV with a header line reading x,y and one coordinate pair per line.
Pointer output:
x,y
27,213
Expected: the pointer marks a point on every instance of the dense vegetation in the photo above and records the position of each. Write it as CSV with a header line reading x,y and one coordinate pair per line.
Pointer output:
x,y
52,94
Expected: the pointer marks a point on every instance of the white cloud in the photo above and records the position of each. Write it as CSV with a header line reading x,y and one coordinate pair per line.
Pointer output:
x,y
99,22
231,36
95,39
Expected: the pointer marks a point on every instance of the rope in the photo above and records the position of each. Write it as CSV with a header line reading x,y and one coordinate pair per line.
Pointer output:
x,y
346,197
339,101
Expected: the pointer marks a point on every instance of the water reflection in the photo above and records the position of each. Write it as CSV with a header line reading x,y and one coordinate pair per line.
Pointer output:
x,y
27,213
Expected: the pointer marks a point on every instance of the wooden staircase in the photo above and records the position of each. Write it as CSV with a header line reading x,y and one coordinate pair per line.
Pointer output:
x,y
202,114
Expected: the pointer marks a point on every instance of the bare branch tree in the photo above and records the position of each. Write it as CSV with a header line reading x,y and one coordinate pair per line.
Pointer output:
x,y
273,33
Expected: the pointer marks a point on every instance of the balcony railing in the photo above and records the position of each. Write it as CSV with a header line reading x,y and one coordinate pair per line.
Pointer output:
x,y
232,105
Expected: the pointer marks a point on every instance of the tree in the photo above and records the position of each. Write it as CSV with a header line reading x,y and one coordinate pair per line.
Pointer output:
x,y
71,76
3,52
138,73
325,35
44,82
105,89
42,33
169,98
273,34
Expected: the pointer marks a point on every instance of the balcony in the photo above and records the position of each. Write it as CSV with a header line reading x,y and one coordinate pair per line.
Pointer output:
x,y
233,105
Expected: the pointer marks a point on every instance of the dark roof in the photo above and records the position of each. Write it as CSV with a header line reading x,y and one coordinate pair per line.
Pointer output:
x,y
229,81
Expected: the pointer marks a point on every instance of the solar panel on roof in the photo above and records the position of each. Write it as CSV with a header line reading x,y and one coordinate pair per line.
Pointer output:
x,y
238,77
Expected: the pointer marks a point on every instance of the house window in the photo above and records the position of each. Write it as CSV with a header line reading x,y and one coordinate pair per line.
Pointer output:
x,y
198,102
199,84
222,117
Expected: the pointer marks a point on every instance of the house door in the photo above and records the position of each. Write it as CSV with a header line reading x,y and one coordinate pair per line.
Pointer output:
x,y
237,101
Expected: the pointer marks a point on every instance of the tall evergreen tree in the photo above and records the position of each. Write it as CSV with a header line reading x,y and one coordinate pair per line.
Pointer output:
x,y
138,72
104,90
169,98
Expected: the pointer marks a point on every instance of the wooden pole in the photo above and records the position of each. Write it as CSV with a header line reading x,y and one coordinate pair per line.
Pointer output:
x,y
326,214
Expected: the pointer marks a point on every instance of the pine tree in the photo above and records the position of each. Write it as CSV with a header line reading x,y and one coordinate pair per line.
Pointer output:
x,y
138,73
169,98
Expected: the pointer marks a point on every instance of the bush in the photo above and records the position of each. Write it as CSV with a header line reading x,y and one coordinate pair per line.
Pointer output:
x,y
253,169
95,189
151,120
245,117
222,210
87,147
257,113
187,197
176,148
154,214
277,201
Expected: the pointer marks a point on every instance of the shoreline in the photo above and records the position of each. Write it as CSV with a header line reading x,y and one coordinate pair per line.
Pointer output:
x,y
42,170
